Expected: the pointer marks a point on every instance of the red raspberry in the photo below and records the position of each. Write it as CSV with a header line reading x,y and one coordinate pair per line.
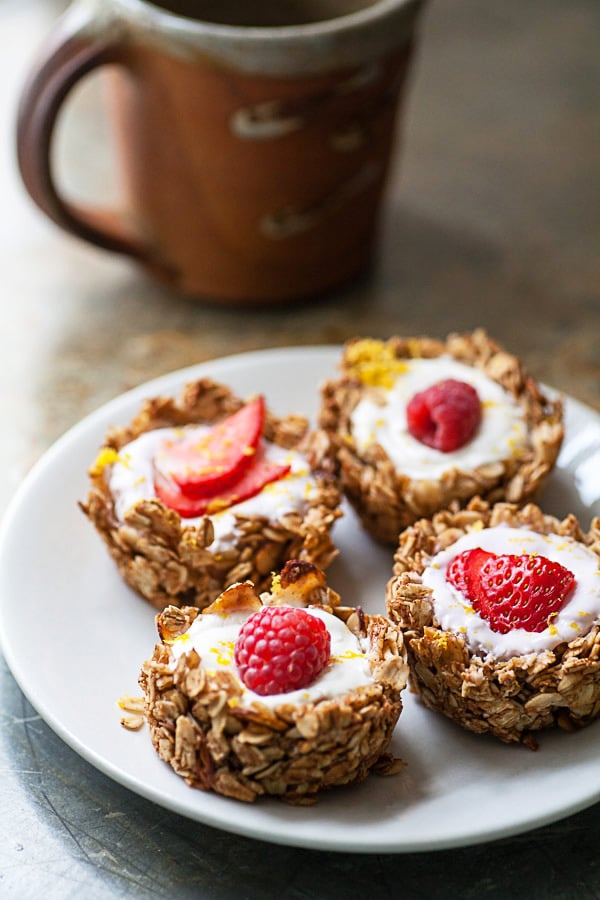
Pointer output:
x,y
280,649
445,416
512,591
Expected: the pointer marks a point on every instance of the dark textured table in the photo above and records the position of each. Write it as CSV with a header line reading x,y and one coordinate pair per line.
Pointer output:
x,y
493,219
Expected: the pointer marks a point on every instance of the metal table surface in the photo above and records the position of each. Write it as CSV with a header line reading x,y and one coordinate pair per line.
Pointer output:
x,y
493,219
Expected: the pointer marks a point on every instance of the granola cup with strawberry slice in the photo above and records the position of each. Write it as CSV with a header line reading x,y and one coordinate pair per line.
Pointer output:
x,y
283,694
200,492
500,609
419,423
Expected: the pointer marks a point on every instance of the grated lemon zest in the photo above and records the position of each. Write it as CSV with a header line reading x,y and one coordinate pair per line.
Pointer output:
x,y
181,638
374,363
347,654
106,457
276,584
223,652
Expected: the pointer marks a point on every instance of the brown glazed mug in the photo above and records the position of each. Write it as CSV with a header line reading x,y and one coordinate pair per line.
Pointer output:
x,y
253,136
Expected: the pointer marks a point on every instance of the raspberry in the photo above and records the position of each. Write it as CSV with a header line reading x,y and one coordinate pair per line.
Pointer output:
x,y
445,416
512,591
280,649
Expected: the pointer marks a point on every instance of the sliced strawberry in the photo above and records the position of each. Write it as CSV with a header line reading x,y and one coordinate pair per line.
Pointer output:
x,y
512,591
173,497
251,482
523,591
202,466
464,570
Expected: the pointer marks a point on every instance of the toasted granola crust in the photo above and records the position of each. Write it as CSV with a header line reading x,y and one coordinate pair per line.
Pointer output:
x,y
509,698
200,727
169,562
387,501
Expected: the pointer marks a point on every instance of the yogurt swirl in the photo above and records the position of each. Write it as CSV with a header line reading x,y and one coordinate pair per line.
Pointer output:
x,y
213,636
501,434
131,480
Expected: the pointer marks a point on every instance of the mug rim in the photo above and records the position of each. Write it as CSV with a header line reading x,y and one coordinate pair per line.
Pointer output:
x,y
177,24
290,51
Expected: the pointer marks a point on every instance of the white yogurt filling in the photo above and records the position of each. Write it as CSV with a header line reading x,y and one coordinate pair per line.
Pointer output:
x,y
501,434
131,479
213,636
454,613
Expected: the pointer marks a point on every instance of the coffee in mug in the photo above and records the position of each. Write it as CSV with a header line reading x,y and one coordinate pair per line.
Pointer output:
x,y
264,13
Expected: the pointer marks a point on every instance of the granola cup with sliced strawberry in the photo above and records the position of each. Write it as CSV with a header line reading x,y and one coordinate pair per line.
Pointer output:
x,y
500,610
203,491
283,694
419,423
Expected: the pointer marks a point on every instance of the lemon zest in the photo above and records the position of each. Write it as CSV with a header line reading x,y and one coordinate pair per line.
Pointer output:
x,y
107,456
347,654
276,584
374,363
219,505
223,652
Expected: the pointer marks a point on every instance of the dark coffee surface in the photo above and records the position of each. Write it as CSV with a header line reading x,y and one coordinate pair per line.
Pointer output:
x,y
264,13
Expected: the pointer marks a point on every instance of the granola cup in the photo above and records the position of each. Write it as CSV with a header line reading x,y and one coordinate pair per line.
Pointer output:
x,y
170,562
509,698
386,500
204,725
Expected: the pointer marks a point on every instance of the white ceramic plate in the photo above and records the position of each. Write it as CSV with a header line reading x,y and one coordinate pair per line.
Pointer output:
x,y
74,637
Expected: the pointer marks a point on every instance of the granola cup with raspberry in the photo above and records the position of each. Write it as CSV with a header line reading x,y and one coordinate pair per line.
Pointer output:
x,y
419,423
500,610
283,694
200,492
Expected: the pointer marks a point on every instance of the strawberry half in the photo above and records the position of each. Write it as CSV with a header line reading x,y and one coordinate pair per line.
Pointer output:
x,y
200,467
463,572
512,591
251,482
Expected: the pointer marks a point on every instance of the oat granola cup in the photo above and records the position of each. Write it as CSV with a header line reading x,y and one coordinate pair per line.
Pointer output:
x,y
419,423
500,610
200,492
246,742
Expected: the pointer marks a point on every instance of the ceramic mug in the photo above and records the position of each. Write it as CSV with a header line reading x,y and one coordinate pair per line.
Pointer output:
x,y
253,137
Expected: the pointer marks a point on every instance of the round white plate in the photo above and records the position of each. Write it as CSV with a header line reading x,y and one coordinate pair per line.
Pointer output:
x,y
75,636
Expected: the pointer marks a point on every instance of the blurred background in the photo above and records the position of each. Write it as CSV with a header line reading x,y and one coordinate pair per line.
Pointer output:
x,y
492,218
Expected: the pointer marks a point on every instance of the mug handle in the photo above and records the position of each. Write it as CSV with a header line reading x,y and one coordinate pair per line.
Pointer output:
x,y
73,50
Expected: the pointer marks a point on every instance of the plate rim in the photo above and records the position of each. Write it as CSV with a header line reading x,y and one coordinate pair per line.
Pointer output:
x,y
175,380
